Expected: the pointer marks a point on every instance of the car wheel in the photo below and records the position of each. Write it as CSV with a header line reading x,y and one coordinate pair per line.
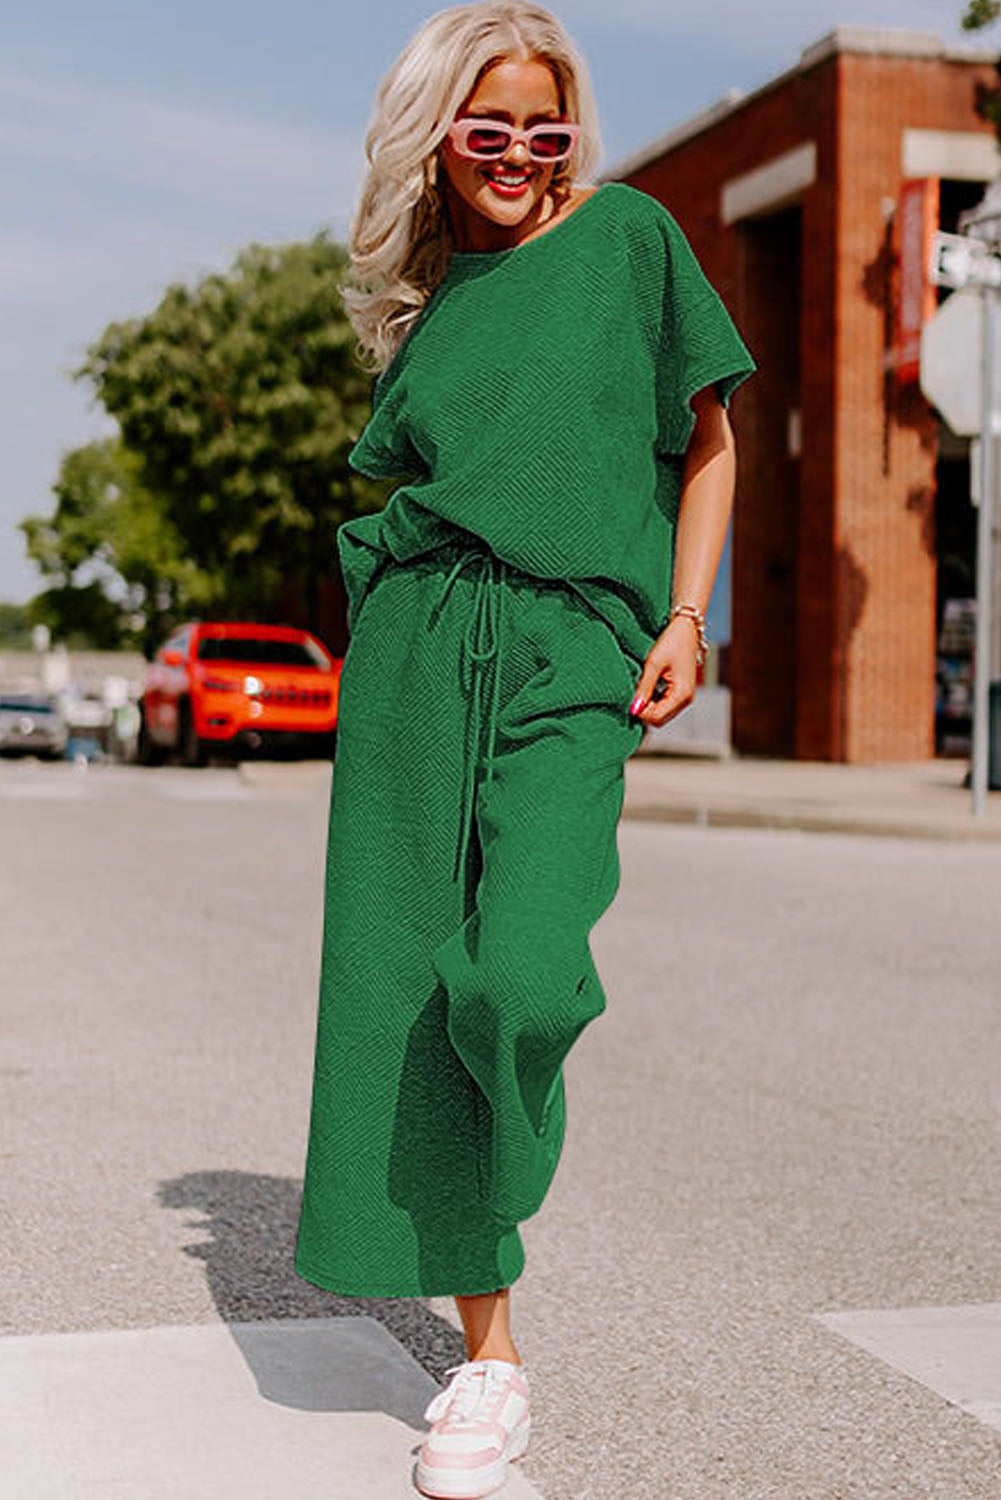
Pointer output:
x,y
190,747
148,752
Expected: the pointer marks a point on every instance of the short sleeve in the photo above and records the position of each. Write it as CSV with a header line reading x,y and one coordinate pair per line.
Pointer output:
x,y
384,449
699,343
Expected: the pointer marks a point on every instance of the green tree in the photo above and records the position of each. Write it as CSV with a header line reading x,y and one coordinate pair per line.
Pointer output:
x,y
980,13
116,566
239,399
987,101
15,627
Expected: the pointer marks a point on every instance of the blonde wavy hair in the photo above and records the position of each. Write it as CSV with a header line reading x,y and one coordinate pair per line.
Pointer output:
x,y
401,238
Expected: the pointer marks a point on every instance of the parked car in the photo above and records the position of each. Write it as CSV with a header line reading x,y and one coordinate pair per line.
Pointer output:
x,y
232,689
32,724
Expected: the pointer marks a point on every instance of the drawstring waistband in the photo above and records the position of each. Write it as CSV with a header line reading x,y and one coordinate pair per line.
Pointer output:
x,y
481,642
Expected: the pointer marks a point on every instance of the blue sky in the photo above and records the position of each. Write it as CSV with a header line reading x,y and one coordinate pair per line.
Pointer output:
x,y
146,143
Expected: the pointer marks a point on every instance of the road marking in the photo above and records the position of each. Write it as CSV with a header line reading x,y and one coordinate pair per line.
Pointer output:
x,y
201,786
307,1406
52,789
955,1351
62,783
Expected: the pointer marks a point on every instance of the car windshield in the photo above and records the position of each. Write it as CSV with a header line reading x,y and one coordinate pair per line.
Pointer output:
x,y
260,651
14,704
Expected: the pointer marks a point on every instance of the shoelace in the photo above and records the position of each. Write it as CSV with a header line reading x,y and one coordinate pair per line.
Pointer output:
x,y
472,1382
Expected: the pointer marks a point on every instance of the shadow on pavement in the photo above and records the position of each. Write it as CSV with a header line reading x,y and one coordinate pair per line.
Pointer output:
x,y
251,1220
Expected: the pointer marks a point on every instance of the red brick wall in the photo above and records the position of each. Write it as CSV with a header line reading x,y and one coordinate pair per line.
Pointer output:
x,y
781,668
833,602
885,437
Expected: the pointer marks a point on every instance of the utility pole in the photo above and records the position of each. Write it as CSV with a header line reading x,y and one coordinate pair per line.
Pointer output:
x,y
970,260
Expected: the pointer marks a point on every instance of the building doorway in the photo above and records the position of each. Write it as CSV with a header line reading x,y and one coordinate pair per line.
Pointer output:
x,y
955,543
766,517
955,596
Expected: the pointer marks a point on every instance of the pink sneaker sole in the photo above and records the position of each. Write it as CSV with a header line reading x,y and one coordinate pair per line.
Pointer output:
x,y
443,1484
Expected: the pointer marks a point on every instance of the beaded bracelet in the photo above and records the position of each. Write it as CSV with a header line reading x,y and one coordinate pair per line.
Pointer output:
x,y
694,613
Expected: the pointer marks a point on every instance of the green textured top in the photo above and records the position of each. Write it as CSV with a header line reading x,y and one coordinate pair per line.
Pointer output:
x,y
540,402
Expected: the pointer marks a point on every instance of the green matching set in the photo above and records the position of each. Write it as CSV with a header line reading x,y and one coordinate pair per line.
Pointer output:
x,y
500,608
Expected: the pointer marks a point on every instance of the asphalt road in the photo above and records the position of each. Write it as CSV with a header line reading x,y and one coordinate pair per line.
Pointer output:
x,y
790,1108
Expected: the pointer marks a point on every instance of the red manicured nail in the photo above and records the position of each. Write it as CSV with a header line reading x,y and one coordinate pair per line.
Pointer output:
x,y
638,704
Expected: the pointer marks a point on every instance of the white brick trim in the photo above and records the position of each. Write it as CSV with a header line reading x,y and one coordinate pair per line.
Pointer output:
x,y
972,155
770,186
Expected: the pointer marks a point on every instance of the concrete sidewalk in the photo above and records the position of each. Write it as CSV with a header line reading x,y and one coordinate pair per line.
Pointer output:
x,y
915,799
328,1407
910,799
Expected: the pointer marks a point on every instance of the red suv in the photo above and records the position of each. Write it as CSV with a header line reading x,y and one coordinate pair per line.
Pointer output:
x,y
226,688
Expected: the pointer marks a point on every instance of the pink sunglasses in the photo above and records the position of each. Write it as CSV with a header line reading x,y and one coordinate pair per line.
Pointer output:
x,y
486,140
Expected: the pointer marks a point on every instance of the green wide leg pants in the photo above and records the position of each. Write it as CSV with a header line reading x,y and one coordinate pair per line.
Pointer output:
x,y
483,729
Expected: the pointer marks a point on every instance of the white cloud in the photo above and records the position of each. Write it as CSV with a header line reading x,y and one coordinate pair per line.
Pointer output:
x,y
178,148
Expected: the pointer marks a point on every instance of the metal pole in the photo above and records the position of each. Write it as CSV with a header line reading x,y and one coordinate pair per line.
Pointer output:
x,y
985,571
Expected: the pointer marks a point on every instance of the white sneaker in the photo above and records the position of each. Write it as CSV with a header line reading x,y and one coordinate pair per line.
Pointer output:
x,y
480,1423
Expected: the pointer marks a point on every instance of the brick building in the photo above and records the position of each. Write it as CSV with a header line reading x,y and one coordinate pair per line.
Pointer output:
x,y
852,523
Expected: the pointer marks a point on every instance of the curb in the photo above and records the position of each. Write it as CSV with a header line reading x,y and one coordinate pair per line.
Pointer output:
x,y
748,817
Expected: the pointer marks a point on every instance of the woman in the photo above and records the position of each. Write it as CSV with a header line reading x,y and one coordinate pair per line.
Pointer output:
x,y
554,372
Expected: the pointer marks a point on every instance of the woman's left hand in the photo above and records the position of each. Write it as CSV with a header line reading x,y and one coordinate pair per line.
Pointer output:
x,y
672,656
